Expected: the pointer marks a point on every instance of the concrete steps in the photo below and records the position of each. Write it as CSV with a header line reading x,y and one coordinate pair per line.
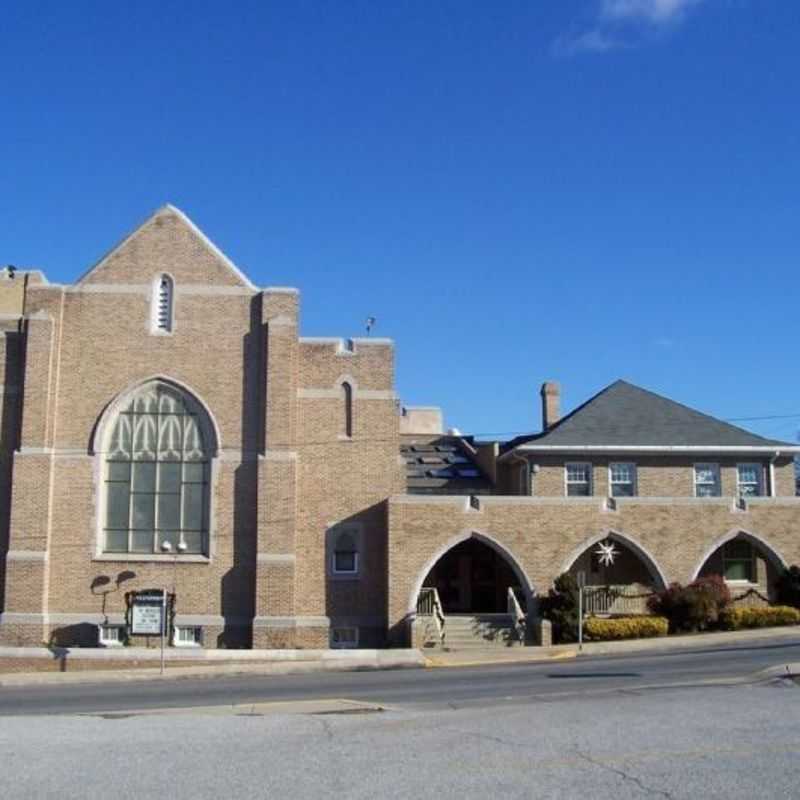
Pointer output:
x,y
479,631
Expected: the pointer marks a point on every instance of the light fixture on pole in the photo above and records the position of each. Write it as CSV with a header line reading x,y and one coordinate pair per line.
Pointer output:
x,y
166,547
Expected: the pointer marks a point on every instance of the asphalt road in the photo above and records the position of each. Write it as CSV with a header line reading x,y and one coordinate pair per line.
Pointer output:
x,y
594,728
414,689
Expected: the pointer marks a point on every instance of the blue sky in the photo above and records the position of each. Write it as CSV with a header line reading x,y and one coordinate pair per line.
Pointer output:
x,y
577,190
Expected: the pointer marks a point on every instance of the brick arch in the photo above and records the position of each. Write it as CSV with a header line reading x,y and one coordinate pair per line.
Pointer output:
x,y
771,552
484,538
624,539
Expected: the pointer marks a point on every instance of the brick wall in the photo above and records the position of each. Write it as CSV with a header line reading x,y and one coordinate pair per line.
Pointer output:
x,y
544,536
288,475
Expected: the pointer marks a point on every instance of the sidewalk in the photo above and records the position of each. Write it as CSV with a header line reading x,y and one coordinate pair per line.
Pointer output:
x,y
100,665
663,644
79,665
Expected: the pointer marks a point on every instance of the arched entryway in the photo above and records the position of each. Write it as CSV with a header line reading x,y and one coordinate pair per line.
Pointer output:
x,y
473,576
621,572
745,561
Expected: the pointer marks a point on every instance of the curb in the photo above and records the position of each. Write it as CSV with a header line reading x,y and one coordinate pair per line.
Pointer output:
x,y
433,662
780,671
414,660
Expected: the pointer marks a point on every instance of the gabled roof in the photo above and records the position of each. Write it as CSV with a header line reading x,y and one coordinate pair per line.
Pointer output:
x,y
627,416
171,211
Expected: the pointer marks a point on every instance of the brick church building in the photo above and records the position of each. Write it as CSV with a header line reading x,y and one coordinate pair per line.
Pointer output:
x,y
164,425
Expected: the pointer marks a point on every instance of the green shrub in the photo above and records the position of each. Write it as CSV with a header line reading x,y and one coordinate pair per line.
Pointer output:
x,y
735,619
625,628
695,607
561,608
788,586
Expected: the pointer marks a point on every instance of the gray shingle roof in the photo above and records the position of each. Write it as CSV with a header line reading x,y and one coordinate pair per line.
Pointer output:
x,y
442,465
626,415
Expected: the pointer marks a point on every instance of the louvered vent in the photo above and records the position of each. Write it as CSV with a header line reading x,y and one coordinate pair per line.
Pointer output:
x,y
163,304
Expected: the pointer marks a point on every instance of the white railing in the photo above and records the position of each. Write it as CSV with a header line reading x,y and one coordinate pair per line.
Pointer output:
x,y
626,600
518,616
430,605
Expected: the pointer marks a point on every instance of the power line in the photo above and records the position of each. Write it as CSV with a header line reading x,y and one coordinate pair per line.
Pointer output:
x,y
757,419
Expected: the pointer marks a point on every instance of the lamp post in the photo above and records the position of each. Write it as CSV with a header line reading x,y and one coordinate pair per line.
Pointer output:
x,y
581,584
166,547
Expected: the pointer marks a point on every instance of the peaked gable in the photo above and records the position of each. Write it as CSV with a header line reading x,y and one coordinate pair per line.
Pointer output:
x,y
167,242
624,415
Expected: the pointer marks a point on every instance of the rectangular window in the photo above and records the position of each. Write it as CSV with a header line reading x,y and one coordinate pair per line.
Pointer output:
x,y
706,480
738,561
344,637
749,480
111,635
622,478
187,636
579,480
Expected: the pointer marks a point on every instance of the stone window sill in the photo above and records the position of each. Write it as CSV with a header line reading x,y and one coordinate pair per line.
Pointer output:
x,y
167,558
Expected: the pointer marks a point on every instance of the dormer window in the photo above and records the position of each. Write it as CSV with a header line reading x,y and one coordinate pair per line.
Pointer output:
x,y
163,299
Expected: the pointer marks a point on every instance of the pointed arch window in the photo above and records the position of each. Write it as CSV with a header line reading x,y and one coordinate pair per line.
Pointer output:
x,y
345,554
157,463
347,410
163,302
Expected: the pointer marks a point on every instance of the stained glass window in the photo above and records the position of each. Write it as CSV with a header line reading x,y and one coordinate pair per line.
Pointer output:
x,y
157,475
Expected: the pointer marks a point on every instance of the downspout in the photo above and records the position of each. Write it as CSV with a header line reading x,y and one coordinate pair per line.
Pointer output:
x,y
526,463
772,492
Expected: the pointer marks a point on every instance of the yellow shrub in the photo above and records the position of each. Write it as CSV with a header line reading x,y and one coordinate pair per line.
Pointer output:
x,y
734,619
625,627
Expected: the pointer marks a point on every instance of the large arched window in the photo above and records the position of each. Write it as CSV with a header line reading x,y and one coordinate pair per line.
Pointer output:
x,y
157,461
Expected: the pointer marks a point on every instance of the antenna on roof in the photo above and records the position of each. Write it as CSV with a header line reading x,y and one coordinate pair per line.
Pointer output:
x,y
370,324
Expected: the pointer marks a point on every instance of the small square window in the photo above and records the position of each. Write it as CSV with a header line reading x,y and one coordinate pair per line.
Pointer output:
x,y
111,635
579,480
345,561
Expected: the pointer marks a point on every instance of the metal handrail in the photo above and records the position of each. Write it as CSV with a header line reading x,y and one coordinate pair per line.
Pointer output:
x,y
429,604
518,616
616,599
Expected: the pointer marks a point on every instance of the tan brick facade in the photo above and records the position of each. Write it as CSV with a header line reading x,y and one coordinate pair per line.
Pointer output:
x,y
307,449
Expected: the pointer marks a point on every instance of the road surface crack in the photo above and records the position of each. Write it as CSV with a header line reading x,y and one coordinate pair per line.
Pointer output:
x,y
624,775
326,726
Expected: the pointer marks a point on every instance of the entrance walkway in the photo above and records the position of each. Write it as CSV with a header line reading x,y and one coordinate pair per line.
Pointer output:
x,y
664,644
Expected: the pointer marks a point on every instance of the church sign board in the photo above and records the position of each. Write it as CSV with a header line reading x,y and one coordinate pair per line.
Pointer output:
x,y
147,613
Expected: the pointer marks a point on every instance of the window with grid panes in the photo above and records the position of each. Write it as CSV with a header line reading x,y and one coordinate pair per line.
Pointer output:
x,y
622,478
749,480
579,480
156,475
706,480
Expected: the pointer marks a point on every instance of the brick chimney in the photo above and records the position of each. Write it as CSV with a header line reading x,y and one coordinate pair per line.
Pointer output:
x,y
551,401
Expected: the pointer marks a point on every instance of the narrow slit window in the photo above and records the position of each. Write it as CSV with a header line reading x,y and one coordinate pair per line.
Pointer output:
x,y
162,305
347,410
